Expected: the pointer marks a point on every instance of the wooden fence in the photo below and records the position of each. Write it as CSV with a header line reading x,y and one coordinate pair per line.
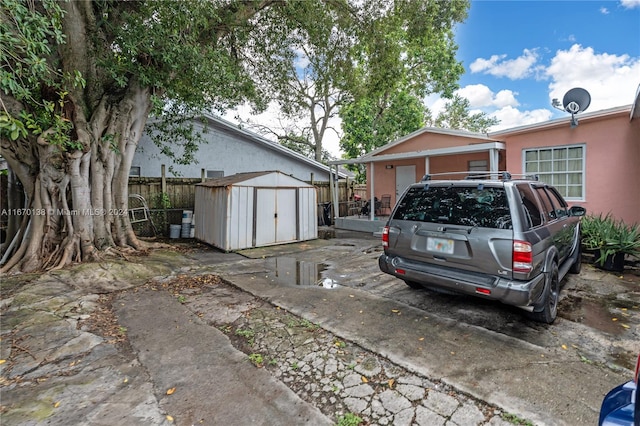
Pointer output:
x,y
166,199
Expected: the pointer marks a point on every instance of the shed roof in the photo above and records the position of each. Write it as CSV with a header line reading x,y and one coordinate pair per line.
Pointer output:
x,y
247,177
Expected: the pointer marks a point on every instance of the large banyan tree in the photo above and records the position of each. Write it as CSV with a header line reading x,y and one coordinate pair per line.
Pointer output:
x,y
79,79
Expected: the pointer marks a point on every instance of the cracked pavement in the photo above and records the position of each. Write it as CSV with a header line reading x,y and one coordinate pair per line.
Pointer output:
x,y
106,343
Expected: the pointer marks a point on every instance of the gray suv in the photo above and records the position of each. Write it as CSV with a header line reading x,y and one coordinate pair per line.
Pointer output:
x,y
491,236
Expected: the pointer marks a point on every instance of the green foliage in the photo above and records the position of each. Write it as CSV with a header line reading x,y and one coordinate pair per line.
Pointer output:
x,y
27,41
349,419
256,359
515,420
456,115
247,334
368,125
160,200
368,53
609,236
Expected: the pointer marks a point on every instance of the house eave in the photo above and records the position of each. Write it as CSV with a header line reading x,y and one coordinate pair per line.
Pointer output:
x,y
435,130
635,109
563,121
464,149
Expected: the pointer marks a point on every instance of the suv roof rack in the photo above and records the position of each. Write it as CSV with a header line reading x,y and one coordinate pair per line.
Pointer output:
x,y
497,175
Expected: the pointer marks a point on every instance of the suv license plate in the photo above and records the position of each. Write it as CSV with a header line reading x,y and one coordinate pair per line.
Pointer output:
x,y
440,245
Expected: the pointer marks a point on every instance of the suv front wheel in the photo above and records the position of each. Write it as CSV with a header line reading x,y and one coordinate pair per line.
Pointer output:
x,y
547,311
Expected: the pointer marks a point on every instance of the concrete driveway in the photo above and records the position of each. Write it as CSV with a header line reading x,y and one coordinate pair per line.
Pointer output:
x,y
160,340
548,374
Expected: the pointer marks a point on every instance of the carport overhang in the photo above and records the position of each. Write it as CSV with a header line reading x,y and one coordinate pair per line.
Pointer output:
x,y
491,147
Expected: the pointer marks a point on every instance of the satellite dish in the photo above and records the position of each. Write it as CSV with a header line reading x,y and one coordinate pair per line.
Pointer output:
x,y
576,100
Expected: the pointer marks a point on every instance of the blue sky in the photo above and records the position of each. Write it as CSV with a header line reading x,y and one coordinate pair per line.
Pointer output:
x,y
519,55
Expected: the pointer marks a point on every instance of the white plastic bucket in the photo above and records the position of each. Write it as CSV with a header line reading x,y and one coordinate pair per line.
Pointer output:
x,y
174,231
187,215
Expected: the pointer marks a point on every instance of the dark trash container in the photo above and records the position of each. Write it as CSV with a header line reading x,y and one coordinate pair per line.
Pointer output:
x,y
325,217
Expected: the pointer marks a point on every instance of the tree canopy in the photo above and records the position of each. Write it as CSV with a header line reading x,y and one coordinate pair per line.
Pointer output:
x,y
79,80
387,48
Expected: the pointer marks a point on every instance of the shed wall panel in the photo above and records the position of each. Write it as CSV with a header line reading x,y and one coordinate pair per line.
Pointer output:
x,y
240,220
307,214
210,216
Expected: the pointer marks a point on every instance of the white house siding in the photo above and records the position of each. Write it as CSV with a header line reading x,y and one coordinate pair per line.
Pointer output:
x,y
231,151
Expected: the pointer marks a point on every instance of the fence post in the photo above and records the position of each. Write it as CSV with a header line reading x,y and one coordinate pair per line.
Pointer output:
x,y
163,191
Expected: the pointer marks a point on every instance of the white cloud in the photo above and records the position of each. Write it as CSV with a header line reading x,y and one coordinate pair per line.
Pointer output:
x,y
610,79
481,96
604,10
511,117
514,69
630,4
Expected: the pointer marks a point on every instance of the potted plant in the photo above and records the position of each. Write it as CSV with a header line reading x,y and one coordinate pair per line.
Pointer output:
x,y
610,240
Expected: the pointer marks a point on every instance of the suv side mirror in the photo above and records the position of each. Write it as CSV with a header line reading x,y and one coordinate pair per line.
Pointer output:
x,y
577,211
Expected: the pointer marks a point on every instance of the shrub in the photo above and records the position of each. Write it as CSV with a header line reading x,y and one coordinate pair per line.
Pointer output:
x,y
608,236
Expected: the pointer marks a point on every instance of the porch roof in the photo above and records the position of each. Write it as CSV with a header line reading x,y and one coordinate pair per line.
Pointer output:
x,y
462,149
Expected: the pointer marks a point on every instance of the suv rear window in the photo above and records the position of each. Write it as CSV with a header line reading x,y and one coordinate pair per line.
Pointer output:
x,y
456,205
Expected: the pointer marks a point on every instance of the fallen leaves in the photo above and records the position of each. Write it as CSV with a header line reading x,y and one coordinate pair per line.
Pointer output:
x,y
171,391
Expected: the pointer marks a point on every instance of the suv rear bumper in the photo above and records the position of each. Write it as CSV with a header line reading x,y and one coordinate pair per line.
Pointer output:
x,y
510,292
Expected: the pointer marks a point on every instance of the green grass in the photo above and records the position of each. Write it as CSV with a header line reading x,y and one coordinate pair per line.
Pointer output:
x,y
349,419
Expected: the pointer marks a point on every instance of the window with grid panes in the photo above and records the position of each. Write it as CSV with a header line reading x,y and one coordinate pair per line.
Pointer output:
x,y
562,167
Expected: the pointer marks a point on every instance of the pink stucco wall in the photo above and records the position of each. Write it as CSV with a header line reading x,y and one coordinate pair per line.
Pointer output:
x,y
385,179
612,167
612,159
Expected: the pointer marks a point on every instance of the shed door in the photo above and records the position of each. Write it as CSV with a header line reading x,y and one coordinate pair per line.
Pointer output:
x,y
276,219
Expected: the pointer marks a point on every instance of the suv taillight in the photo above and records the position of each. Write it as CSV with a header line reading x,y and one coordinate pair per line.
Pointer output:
x,y
522,256
385,237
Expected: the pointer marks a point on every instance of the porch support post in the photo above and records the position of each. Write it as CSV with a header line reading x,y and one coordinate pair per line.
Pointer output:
x,y
493,162
336,195
372,203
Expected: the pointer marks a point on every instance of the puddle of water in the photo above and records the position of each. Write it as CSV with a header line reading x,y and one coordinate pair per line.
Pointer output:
x,y
595,314
291,271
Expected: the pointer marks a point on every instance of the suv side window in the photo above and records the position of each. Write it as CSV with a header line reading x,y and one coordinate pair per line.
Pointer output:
x,y
549,211
552,209
559,205
534,216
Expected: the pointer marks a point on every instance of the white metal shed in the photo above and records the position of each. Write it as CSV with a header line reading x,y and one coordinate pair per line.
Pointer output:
x,y
255,209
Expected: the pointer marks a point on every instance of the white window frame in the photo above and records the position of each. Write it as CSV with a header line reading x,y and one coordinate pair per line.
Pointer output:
x,y
547,177
131,171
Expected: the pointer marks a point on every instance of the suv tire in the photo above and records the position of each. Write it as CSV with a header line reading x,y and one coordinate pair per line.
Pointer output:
x,y
549,306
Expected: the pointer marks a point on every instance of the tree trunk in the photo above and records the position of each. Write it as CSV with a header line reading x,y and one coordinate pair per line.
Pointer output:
x,y
76,202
